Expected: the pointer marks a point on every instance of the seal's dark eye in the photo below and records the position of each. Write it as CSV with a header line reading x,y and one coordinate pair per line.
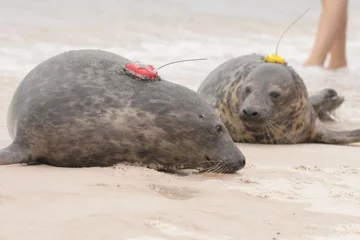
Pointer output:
x,y
274,95
247,90
201,116
218,128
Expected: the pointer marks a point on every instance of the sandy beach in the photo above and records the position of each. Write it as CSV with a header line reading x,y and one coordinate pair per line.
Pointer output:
x,y
285,192
294,192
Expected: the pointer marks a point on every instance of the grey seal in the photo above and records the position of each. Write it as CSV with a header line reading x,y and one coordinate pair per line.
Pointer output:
x,y
79,109
263,102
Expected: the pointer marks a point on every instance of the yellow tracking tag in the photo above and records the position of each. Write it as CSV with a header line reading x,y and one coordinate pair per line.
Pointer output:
x,y
274,59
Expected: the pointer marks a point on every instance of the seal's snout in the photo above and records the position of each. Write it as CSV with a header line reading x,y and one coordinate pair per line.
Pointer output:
x,y
224,165
234,162
240,164
234,165
250,113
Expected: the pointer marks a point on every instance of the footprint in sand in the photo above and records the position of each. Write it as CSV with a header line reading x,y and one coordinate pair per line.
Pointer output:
x,y
4,198
174,231
179,193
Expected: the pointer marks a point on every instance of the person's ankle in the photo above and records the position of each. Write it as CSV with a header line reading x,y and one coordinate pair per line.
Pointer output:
x,y
315,60
334,65
310,63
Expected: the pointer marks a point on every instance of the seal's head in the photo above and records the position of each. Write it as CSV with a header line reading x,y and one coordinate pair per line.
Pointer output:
x,y
186,133
205,144
271,93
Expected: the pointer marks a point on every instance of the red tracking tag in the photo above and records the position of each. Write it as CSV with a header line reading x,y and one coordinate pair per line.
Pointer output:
x,y
149,72
142,71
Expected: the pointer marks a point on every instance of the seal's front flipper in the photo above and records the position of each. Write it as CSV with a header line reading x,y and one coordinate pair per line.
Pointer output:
x,y
326,101
13,154
325,135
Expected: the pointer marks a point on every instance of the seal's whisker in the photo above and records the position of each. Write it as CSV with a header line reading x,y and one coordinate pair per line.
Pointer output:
x,y
279,131
222,169
225,168
208,169
213,168
235,112
228,169
270,134
275,131
262,131
267,134
246,124
283,134
217,168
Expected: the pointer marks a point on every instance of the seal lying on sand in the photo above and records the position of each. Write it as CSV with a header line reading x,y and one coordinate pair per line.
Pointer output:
x,y
79,109
262,102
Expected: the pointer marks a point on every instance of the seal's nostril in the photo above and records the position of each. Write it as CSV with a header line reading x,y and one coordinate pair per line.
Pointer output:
x,y
250,113
254,114
243,162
